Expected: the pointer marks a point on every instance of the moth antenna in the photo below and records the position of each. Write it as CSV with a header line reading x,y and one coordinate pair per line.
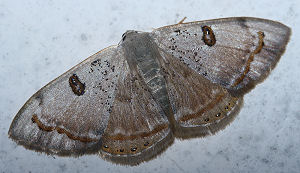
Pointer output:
x,y
182,20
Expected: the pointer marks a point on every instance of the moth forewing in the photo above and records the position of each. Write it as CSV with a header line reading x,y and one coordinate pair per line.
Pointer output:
x,y
236,53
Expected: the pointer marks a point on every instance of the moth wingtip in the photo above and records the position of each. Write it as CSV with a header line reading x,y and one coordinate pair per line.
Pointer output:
x,y
11,133
289,33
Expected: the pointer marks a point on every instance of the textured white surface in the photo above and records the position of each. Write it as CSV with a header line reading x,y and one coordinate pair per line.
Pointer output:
x,y
39,40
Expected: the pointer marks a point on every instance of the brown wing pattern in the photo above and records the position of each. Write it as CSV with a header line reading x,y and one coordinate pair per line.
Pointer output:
x,y
137,128
200,107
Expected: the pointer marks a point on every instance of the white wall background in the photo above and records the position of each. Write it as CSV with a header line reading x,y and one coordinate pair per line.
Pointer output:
x,y
41,39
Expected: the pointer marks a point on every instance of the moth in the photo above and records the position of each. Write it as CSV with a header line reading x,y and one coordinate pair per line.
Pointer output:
x,y
128,102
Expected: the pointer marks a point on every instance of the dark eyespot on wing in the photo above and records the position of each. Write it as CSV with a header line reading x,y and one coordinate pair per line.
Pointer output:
x,y
208,36
77,86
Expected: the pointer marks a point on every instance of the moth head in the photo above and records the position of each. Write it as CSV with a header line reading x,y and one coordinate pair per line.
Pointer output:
x,y
128,35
